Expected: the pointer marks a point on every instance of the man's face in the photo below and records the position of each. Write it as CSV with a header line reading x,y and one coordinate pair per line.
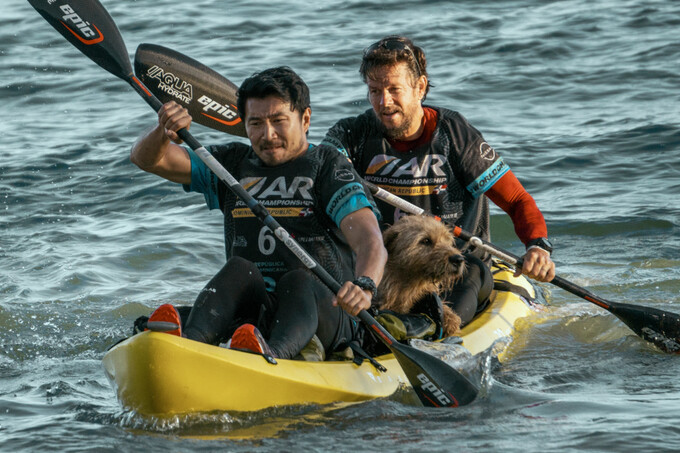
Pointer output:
x,y
395,99
277,133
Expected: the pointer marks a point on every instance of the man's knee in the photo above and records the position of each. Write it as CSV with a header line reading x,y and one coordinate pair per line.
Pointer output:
x,y
296,278
237,266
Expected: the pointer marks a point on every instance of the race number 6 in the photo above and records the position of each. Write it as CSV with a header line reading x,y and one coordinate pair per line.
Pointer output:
x,y
266,241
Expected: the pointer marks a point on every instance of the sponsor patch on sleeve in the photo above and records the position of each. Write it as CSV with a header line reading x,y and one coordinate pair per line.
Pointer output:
x,y
486,151
342,196
488,178
344,175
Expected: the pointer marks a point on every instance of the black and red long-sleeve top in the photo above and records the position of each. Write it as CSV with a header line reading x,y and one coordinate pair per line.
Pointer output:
x,y
445,171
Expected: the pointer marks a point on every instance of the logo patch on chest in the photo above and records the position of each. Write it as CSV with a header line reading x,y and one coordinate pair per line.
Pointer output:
x,y
416,167
263,188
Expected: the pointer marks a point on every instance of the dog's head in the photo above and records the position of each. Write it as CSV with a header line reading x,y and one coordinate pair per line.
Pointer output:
x,y
420,245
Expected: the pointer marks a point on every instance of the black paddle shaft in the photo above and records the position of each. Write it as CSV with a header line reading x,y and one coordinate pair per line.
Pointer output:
x,y
89,27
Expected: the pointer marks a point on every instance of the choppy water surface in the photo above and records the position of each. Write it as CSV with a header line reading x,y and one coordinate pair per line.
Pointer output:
x,y
580,97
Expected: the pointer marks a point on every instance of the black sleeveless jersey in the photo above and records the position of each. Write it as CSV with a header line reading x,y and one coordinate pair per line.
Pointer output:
x,y
446,177
304,195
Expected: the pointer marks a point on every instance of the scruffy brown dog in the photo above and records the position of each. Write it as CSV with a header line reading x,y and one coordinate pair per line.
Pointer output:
x,y
422,259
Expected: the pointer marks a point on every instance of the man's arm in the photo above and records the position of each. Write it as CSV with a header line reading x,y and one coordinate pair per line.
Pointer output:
x,y
362,232
155,153
509,194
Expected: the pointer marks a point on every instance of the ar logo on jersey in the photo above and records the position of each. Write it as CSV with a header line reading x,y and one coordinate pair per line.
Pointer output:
x,y
385,165
261,188
486,151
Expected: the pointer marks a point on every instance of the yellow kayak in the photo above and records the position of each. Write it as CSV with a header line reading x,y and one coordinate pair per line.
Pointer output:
x,y
164,375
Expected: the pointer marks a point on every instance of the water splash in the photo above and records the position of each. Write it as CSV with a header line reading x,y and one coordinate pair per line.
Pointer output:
x,y
477,368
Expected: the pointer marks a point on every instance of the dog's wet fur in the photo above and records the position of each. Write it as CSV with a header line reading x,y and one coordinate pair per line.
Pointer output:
x,y
422,259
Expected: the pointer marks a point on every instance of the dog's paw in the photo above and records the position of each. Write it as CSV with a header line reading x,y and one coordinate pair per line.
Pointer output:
x,y
452,322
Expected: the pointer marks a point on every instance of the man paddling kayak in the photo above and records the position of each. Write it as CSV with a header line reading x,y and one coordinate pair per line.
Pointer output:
x,y
312,191
436,160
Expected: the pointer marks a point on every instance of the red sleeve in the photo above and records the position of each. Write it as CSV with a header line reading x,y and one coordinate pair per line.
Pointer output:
x,y
509,195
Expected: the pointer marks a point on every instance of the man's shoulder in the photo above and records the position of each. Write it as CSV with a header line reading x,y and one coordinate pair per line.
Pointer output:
x,y
368,115
349,134
447,114
323,149
229,152
325,153
454,124
231,147
326,158
365,119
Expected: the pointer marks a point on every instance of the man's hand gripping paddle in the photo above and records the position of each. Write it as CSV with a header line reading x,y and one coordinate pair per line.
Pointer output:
x,y
89,27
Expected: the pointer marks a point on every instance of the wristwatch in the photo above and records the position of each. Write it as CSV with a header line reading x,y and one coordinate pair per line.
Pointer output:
x,y
367,283
541,243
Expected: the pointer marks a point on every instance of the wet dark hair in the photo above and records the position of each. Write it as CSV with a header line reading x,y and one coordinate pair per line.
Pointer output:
x,y
391,50
281,82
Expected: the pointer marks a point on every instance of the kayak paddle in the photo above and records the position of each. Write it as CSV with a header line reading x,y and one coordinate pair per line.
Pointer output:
x,y
89,27
659,327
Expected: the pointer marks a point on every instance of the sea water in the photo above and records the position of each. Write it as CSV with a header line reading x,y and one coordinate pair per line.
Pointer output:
x,y
581,98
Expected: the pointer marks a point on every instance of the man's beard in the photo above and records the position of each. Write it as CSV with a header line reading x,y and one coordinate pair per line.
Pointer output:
x,y
396,133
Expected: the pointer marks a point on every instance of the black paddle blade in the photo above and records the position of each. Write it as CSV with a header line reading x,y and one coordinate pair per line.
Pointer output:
x,y
435,382
659,327
89,27
662,328
172,76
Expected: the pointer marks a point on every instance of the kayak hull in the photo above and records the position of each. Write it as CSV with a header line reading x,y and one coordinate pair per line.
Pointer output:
x,y
164,375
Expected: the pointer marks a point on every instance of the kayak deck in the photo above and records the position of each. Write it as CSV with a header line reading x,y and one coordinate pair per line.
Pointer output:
x,y
163,375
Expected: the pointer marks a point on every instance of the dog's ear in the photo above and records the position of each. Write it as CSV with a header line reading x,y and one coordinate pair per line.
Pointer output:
x,y
389,235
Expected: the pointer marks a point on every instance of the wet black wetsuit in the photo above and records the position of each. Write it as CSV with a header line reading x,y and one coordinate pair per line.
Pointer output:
x,y
262,281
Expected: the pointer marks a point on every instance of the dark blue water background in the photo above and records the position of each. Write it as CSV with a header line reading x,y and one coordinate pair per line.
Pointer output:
x,y
580,97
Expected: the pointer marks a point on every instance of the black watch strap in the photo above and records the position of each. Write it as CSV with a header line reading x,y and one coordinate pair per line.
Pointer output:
x,y
366,283
542,243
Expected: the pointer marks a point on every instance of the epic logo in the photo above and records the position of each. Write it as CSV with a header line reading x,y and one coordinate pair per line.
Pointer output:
x,y
434,390
84,27
225,110
172,84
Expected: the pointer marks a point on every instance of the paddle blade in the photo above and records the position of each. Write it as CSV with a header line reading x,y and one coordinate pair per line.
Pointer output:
x,y
89,27
435,382
172,76
662,328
